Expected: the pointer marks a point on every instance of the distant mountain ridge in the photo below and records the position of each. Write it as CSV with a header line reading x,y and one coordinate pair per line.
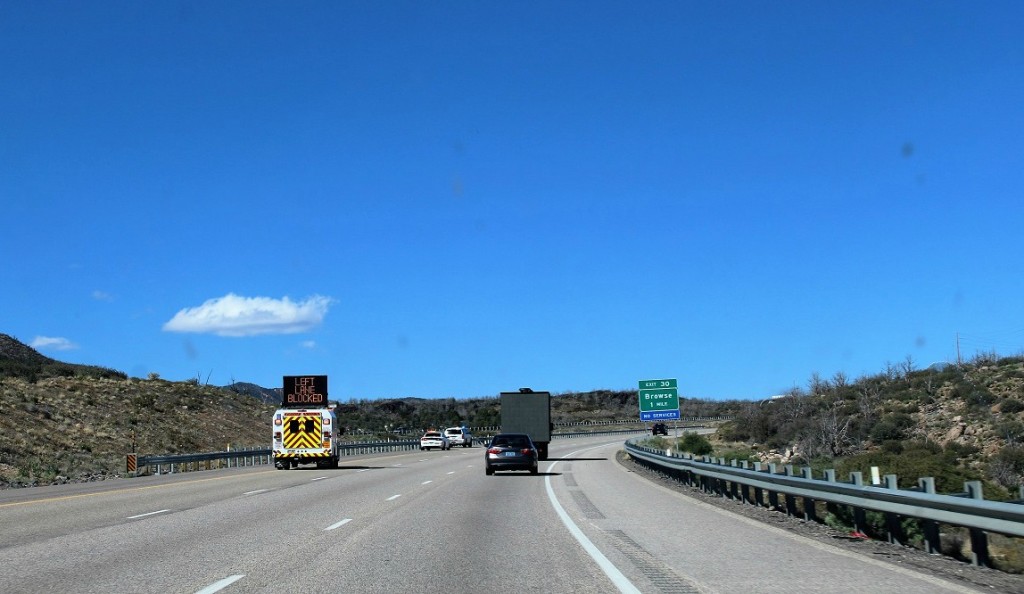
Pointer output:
x,y
14,350
266,395
17,359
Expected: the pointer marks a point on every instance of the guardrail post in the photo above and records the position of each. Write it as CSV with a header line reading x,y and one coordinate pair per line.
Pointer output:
x,y
734,487
979,538
758,492
892,521
930,528
859,517
809,512
773,496
744,488
830,477
790,499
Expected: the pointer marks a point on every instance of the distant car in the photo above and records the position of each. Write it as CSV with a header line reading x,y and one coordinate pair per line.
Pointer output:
x,y
659,429
434,439
510,451
459,436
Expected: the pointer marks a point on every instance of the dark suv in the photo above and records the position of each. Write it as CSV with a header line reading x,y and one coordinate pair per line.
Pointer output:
x,y
659,429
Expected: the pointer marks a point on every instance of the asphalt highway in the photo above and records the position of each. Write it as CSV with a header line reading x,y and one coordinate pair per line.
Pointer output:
x,y
417,522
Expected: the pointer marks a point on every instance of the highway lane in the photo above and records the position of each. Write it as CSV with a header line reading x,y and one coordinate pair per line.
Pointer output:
x,y
663,541
427,520
410,522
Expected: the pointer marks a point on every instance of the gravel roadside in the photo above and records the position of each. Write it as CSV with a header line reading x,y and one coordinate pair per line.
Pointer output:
x,y
946,567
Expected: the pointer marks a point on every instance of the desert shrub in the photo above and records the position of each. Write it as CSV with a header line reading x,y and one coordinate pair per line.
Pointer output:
x,y
1011,405
733,431
1007,466
979,397
891,427
697,445
959,451
1012,431
892,446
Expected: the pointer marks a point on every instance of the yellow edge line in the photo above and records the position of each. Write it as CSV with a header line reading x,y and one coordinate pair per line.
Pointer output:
x,y
119,491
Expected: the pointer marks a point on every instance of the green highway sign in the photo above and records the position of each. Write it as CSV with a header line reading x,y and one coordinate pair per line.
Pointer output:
x,y
659,400
656,384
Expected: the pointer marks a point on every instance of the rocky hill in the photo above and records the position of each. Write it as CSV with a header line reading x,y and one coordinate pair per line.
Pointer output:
x,y
955,423
62,429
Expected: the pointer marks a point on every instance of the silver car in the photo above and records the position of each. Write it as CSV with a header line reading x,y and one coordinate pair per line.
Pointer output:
x,y
510,451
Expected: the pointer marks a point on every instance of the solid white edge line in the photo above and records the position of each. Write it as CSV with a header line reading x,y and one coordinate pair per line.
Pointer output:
x,y
338,525
255,492
393,497
218,586
319,478
426,482
149,514
621,581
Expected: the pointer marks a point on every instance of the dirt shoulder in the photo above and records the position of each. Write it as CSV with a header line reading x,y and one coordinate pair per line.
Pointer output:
x,y
945,567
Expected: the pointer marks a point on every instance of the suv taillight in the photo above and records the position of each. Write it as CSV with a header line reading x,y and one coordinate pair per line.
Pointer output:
x,y
494,450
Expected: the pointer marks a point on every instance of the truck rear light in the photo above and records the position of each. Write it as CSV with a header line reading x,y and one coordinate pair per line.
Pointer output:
x,y
277,435
327,435
327,444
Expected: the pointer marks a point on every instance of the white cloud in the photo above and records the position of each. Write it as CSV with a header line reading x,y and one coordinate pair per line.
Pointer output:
x,y
234,315
309,344
52,343
102,296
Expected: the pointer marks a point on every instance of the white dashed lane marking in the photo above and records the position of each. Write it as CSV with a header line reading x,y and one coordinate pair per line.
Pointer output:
x,y
218,586
338,524
149,514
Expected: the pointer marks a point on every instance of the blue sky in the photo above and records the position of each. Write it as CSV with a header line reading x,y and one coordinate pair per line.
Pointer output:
x,y
452,199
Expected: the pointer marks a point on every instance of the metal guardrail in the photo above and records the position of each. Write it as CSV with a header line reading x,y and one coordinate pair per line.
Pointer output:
x,y
171,463
751,483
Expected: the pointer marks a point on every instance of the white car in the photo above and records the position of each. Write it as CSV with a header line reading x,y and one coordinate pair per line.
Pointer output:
x,y
459,436
434,439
